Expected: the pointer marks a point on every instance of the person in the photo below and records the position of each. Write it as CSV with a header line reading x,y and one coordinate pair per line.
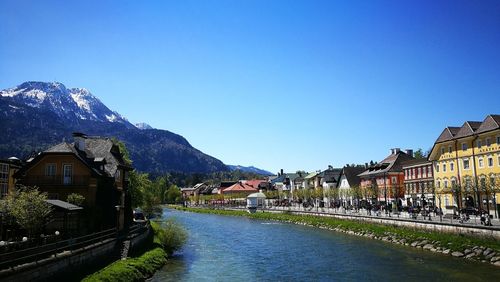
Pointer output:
x,y
483,218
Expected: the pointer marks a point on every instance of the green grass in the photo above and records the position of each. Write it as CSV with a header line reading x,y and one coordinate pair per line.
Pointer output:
x,y
144,266
454,242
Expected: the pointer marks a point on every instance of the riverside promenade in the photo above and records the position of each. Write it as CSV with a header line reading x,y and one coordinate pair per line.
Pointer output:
x,y
434,222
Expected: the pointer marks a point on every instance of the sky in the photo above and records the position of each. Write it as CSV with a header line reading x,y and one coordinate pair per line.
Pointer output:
x,y
293,85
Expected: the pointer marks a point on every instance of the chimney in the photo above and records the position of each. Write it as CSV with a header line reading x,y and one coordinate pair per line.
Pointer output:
x,y
79,140
281,171
366,165
409,152
395,151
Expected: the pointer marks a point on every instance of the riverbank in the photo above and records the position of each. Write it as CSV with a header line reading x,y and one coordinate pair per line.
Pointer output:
x,y
484,249
166,240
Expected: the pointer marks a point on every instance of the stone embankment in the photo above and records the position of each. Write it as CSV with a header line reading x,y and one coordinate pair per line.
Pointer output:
x,y
479,253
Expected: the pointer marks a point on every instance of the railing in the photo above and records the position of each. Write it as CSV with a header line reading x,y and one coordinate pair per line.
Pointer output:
x,y
34,254
40,180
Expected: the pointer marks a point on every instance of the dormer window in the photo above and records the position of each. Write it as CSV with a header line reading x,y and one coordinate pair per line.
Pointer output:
x,y
464,146
442,150
479,143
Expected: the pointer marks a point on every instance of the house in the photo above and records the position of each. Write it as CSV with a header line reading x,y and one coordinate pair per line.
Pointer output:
x,y
329,181
382,183
259,184
239,188
90,166
7,181
313,180
466,163
348,182
419,183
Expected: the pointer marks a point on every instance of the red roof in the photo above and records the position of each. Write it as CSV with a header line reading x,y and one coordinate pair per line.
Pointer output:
x,y
254,183
240,188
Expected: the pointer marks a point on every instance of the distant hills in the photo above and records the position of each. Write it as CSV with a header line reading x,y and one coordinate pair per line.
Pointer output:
x,y
250,169
36,115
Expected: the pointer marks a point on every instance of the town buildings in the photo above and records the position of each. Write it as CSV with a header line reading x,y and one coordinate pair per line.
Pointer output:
x,y
382,183
349,185
418,183
466,163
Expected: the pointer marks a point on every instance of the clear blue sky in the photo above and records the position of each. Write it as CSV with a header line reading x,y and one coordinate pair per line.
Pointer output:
x,y
274,84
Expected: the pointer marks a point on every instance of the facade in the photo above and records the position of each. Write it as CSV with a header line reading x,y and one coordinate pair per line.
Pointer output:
x,y
382,183
419,183
92,167
7,180
329,181
466,162
348,182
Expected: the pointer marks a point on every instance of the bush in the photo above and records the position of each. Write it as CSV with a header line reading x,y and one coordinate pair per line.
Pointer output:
x,y
171,236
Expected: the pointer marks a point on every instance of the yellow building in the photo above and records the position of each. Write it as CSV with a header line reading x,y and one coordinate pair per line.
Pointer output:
x,y
466,164
7,170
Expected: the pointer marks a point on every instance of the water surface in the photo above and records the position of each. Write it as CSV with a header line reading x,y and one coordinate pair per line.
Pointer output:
x,y
225,248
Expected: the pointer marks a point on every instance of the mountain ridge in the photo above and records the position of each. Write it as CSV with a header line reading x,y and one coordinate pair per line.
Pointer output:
x,y
36,115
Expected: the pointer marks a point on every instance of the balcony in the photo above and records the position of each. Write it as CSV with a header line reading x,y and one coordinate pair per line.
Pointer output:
x,y
55,180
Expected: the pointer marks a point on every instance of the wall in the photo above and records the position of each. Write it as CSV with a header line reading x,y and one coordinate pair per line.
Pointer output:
x,y
431,225
70,264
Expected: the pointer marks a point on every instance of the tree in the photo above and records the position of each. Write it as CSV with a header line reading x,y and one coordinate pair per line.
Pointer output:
x,y
419,154
29,207
75,199
174,195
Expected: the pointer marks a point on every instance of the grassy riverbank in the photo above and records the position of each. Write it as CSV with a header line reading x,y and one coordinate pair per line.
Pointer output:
x,y
168,238
436,241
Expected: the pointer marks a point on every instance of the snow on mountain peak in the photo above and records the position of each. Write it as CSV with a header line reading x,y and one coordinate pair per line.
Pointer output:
x,y
54,96
143,125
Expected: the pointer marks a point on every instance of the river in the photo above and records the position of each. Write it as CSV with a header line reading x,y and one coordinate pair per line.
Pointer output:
x,y
225,248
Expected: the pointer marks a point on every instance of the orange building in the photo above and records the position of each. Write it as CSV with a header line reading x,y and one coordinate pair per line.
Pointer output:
x,y
383,182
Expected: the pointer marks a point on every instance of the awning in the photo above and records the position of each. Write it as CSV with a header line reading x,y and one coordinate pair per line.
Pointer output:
x,y
64,205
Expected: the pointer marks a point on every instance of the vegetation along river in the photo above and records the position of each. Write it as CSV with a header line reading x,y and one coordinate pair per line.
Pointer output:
x,y
225,248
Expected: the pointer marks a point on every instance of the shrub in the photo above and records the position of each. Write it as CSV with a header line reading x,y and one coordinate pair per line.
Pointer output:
x,y
171,236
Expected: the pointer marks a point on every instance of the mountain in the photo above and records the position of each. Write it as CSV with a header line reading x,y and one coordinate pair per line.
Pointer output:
x,y
251,169
36,115
143,125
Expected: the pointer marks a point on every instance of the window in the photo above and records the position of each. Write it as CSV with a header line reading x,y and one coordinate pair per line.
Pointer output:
x,y
438,184
446,184
442,150
481,162
452,166
444,167
498,140
449,149
3,189
4,179
4,172
67,174
453,183
490,161
394,180
446,201
488,142
479,143
419,172
466,164
50,170
464,146
437,167
429,171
